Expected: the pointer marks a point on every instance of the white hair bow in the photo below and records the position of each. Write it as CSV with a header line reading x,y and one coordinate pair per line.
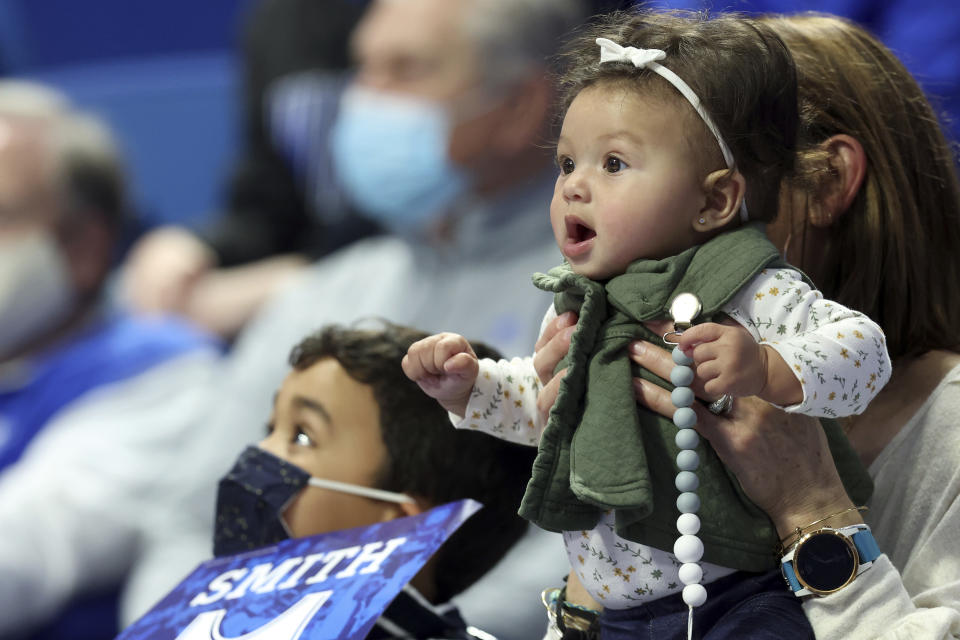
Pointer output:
x,y
610,51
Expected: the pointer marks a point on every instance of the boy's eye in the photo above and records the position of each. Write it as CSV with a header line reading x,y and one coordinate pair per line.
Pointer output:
x,y
613,164
270,428
566,165
302,439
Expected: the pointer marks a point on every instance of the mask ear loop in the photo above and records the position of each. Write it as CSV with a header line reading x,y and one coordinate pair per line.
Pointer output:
x,y
343,487
366,492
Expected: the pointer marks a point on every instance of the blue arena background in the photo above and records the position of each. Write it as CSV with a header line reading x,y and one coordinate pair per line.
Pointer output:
x,y
166,75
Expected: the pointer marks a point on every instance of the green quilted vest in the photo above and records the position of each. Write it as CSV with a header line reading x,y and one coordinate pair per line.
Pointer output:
x,y
601,451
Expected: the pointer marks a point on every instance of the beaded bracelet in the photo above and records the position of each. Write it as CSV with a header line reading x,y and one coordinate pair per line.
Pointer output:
x,y
798,532
582,621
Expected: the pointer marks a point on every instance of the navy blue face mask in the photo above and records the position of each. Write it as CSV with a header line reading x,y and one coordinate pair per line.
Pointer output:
x,y
253,495
251,499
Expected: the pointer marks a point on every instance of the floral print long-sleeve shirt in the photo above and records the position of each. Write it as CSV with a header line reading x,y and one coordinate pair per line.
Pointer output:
x,y
838,355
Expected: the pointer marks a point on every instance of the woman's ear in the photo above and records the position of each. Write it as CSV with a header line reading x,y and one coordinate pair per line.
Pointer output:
x,y
724,190
847,164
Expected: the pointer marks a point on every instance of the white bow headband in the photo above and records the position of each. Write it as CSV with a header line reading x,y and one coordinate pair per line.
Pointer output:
x,y
610,51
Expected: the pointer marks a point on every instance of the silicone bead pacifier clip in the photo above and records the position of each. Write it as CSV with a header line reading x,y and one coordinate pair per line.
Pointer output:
x,y
688,548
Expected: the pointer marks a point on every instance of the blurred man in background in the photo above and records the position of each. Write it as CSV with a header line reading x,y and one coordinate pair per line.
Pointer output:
x,y
282,207
85,395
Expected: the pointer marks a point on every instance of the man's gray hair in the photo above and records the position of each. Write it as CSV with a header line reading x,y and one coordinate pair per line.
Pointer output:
x,y
88,161
514,37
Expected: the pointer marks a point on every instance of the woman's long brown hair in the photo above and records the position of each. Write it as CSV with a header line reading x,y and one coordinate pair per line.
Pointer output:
x,y
895,254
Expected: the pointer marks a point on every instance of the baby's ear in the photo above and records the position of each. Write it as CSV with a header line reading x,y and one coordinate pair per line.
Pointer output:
x,y
724,191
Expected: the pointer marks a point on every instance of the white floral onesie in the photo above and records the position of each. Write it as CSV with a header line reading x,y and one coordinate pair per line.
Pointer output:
x,y
839,356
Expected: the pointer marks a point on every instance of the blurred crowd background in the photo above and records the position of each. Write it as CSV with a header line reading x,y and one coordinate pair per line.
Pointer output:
x,y
222,110
166,76
169,77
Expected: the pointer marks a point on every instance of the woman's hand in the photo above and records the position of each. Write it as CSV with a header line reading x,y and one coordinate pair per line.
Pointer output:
x,y
550,349
782,460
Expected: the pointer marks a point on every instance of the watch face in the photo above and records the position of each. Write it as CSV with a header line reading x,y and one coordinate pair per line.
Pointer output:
x,y
825,561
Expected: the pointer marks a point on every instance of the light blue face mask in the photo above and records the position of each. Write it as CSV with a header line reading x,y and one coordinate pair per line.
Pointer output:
x,y
390,155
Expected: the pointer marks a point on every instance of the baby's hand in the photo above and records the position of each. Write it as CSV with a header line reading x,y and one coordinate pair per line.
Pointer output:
x,y
445,367
727,359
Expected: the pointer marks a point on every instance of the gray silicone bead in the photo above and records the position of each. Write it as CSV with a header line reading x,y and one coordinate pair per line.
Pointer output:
x,y
682,396
687,481
680,357
688,502
681,376
684,417
688,460
687,439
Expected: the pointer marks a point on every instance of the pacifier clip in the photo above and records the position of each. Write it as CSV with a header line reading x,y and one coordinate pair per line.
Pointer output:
x,y
688,548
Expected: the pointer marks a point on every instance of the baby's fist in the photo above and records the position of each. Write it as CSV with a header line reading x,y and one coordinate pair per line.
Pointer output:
x,y
445,367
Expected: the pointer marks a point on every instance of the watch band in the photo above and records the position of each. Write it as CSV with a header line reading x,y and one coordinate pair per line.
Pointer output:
x,y
862,541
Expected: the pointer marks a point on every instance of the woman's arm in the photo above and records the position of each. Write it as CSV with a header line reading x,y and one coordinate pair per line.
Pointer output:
x,y
784,465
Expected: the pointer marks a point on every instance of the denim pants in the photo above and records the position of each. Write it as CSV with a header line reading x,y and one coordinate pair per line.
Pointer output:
x,y
741,606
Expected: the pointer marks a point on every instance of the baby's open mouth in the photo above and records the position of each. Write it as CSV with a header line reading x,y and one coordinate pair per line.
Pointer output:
x,y
577,231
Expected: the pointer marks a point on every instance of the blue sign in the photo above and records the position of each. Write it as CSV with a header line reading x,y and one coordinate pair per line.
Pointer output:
x,y
332,586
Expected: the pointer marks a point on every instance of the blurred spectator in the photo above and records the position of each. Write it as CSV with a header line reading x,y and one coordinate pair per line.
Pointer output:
x,y
164,76
282,203
86,396
466,81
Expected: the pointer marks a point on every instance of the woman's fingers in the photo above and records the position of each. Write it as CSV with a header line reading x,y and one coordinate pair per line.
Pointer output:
x,y
725,434
652,358
548,395
658,400
553,345
659,361
561,322
550,349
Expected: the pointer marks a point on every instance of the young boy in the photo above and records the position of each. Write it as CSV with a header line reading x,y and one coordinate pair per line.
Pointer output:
x,y
347,413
